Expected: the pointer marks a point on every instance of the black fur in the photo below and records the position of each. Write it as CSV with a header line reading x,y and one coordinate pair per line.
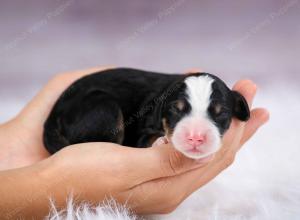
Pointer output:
x,y
126,106
233,105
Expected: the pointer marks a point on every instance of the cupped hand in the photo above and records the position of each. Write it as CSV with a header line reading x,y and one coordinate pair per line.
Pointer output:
x,y
150,180
21,141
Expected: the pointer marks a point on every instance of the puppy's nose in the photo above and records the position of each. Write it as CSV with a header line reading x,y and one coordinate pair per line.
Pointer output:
x,y
196,140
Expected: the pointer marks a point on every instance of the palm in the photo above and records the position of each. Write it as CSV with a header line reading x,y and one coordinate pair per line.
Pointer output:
x,y
23,135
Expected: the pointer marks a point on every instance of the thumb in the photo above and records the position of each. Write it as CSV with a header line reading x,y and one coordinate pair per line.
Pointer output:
x,y
259,116
163,161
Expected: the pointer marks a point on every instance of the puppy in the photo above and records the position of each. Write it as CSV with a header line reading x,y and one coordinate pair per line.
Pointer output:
x,y
134,107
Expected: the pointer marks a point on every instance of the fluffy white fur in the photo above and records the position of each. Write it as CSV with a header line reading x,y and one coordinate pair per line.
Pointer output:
x,y
199,91
108,210
262,184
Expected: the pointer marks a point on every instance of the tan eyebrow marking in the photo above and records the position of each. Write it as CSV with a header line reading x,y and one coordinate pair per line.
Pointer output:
x,y
168,131
180,105
218,108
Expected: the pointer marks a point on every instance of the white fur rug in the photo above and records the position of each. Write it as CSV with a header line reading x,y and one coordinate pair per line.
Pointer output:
x,y
263,183
108,210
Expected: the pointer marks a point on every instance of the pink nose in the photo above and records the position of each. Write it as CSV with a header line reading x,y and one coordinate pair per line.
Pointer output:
x,y
196,140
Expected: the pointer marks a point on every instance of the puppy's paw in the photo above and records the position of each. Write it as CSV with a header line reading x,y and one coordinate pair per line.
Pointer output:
x,y
160,141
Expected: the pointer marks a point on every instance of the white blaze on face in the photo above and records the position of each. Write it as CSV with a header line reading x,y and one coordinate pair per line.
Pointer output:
x,y
196,135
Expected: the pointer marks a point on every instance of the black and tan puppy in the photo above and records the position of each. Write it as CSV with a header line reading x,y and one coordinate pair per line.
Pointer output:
x,y
134,107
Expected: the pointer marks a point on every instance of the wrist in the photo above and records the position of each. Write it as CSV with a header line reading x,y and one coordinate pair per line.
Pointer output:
x,y
55,179
17,147
25,191
71,177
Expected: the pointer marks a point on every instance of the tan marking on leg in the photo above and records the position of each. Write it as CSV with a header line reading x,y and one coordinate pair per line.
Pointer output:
x,y
168,131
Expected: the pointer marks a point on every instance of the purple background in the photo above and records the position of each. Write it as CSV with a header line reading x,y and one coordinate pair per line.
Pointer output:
x,y
259,40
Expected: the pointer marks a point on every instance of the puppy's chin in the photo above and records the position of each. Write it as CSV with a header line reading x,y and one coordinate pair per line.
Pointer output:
x,y
210,148
194,154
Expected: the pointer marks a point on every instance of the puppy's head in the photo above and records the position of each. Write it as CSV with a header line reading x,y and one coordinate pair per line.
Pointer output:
x,y
199,111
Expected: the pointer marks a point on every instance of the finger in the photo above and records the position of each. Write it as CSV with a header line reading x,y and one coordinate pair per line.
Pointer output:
x,y
42,103
233,136
80,73
246,88
57,85
186,183
160,141
150,197
62,81
197,178
163,193
258,118
162,161
193,70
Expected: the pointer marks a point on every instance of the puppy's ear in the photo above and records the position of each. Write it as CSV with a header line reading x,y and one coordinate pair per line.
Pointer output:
x,y
240,107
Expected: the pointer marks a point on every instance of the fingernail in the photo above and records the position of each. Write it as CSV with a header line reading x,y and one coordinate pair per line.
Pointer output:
x,y
265,117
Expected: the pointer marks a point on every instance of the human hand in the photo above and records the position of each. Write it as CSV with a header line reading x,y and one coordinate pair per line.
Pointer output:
x,y
151,180
21,141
